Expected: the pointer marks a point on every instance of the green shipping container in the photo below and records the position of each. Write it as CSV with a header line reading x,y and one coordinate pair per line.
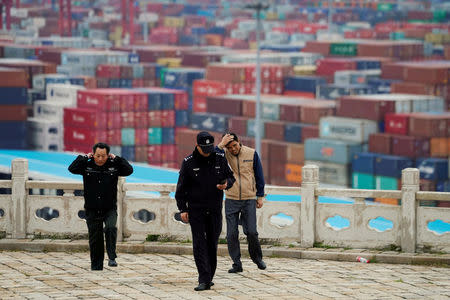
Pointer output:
x,y
386,183
155,136
345,49
127,136
251,128
363,181
439,15
384,6
397,35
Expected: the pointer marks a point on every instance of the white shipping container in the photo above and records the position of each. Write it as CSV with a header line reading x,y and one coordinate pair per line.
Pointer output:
x,y
332,173
347,77
65,93
50,110
40,80
44,134
347,129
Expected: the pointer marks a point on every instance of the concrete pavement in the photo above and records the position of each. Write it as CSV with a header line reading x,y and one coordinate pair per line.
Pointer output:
x,y
67,275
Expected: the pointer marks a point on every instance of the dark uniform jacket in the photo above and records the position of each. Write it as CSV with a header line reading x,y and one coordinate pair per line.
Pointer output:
x,y
100,182
199,175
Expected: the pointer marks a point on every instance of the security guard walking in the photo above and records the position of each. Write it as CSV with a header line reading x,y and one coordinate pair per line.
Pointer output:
x,y
199,195
100,171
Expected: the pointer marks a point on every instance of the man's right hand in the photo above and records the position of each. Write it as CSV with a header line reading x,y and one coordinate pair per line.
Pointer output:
x,y
90,155
184,217
225,140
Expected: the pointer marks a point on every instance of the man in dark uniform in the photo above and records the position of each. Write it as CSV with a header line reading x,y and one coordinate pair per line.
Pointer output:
x,y
203,177
100,171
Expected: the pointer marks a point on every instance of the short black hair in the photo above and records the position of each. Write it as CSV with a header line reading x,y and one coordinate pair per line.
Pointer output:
x,y
101,146
235,137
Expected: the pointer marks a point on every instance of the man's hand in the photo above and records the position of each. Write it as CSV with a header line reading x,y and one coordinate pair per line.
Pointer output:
x,y
184,217
225,140
90,155
222,186
259,202
112,156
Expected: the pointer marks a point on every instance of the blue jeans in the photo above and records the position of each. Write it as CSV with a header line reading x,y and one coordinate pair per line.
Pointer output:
x,y
244,211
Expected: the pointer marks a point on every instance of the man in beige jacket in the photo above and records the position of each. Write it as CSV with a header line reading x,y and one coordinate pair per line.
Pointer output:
x,y
242,199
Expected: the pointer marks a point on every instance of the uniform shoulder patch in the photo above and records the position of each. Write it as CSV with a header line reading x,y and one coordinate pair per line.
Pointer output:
x,y
188,157
220,154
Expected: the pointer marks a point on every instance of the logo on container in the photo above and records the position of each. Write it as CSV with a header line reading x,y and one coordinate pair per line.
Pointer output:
x,y
77,118
90,100
78,136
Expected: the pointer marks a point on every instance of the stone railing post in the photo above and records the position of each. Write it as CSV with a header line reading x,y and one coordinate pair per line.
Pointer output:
x,y
410,185
120,197
310,181
19,176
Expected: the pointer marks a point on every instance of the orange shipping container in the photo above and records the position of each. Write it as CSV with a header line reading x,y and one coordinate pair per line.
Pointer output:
x,y
390,201
213,39
439,147
293,173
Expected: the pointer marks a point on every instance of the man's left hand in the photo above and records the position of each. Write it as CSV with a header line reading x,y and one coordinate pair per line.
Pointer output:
x,y
259,202
112,156
222,186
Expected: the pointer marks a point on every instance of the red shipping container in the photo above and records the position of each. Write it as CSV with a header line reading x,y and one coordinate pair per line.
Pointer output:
x,y
224,105
433,73
126,99
290,113
276,88
140,102
154,118
410,146
397,123
419,88
84,136
277,152
100,99
83,117
181,100
141,119
327,66
238,125
114,137
321,47
114,120
199,104
167,118
127,119
309,132
154,154
276,170
364,108
274,130
141,136
380,143
108,71
203,87
10,77
168,153
429,125
392,70
137,83
311,113
141,153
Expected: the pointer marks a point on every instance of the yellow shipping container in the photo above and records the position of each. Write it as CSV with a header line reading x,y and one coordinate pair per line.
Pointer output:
x,y
252,45
293,173
305,70
271,15
171,62
437,38
177,22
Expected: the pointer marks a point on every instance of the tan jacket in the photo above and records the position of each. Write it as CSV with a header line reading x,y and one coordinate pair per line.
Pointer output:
x,y
242,165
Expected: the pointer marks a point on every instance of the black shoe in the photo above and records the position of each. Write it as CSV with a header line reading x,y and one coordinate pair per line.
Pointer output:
x,y
112,263
96,269
235,269
261,265
211,283
202,287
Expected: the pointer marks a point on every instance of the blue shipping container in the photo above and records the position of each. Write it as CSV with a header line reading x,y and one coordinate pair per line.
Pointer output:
x,y
433,169
168,136
12,135
328,150
13,95
391,165
333,91
182,118
209,122
293,132
303,83
364,162
128,152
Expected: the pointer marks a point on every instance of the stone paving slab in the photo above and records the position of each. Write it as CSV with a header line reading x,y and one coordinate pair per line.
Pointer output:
x,y
338,254
63,275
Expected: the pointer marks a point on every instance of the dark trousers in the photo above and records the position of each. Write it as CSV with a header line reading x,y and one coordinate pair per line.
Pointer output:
x,y
244,210
95,220
206,227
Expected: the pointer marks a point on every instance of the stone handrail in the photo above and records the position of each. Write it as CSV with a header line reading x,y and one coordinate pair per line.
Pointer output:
x,y
305,222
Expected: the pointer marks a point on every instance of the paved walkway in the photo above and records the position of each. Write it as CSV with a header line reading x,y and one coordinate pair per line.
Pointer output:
x,y
61,275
